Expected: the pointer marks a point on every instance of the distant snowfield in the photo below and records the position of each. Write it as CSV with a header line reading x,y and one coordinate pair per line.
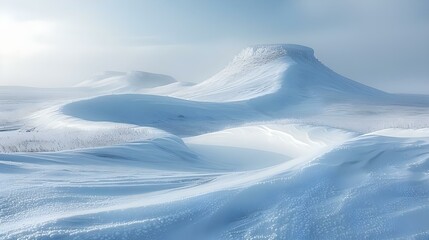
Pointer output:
x,y
275,146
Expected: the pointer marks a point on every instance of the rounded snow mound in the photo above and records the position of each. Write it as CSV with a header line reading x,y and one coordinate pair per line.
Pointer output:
x,y
133,81
286,73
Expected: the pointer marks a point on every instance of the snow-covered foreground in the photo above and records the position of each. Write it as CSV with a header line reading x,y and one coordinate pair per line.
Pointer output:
x,y
275,146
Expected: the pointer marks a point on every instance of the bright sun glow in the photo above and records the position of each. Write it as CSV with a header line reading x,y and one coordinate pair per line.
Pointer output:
x,y
22,38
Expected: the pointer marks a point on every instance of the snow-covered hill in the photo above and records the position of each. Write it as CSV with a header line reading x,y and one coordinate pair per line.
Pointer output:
x,y
119,82
290,72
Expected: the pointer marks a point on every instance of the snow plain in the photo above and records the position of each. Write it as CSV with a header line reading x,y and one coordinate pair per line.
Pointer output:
x,y
275,146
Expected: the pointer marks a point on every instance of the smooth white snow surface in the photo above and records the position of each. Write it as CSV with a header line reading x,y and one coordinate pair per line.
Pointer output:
x,y
113,82
275,146
282,71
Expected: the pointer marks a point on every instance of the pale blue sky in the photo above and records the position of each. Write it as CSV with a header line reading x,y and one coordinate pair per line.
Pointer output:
x,y
381,43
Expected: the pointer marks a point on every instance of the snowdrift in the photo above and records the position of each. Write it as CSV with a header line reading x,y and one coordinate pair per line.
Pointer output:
x,y
177,116
286,72
119,82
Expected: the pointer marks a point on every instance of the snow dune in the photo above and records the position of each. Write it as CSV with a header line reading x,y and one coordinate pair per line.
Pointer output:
x,y
114,82
289,72
186,173
275,146
178,116
347,187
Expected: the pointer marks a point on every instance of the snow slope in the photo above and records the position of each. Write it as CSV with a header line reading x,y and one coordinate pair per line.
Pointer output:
x,y
349,187
185,174
288,70
275,146
178,116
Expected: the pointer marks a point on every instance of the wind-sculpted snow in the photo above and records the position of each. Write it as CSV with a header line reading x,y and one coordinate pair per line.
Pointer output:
x,y
370,186
275,146
51,140
286,73
129,176
180,117
114,82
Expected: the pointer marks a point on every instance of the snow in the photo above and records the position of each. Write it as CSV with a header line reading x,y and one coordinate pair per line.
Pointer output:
x,y
256,71
178,116
277,73
118,82
51,140
275,146
273,138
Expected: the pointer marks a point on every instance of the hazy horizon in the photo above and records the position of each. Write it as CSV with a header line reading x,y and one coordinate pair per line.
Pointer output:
x,y
53,44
